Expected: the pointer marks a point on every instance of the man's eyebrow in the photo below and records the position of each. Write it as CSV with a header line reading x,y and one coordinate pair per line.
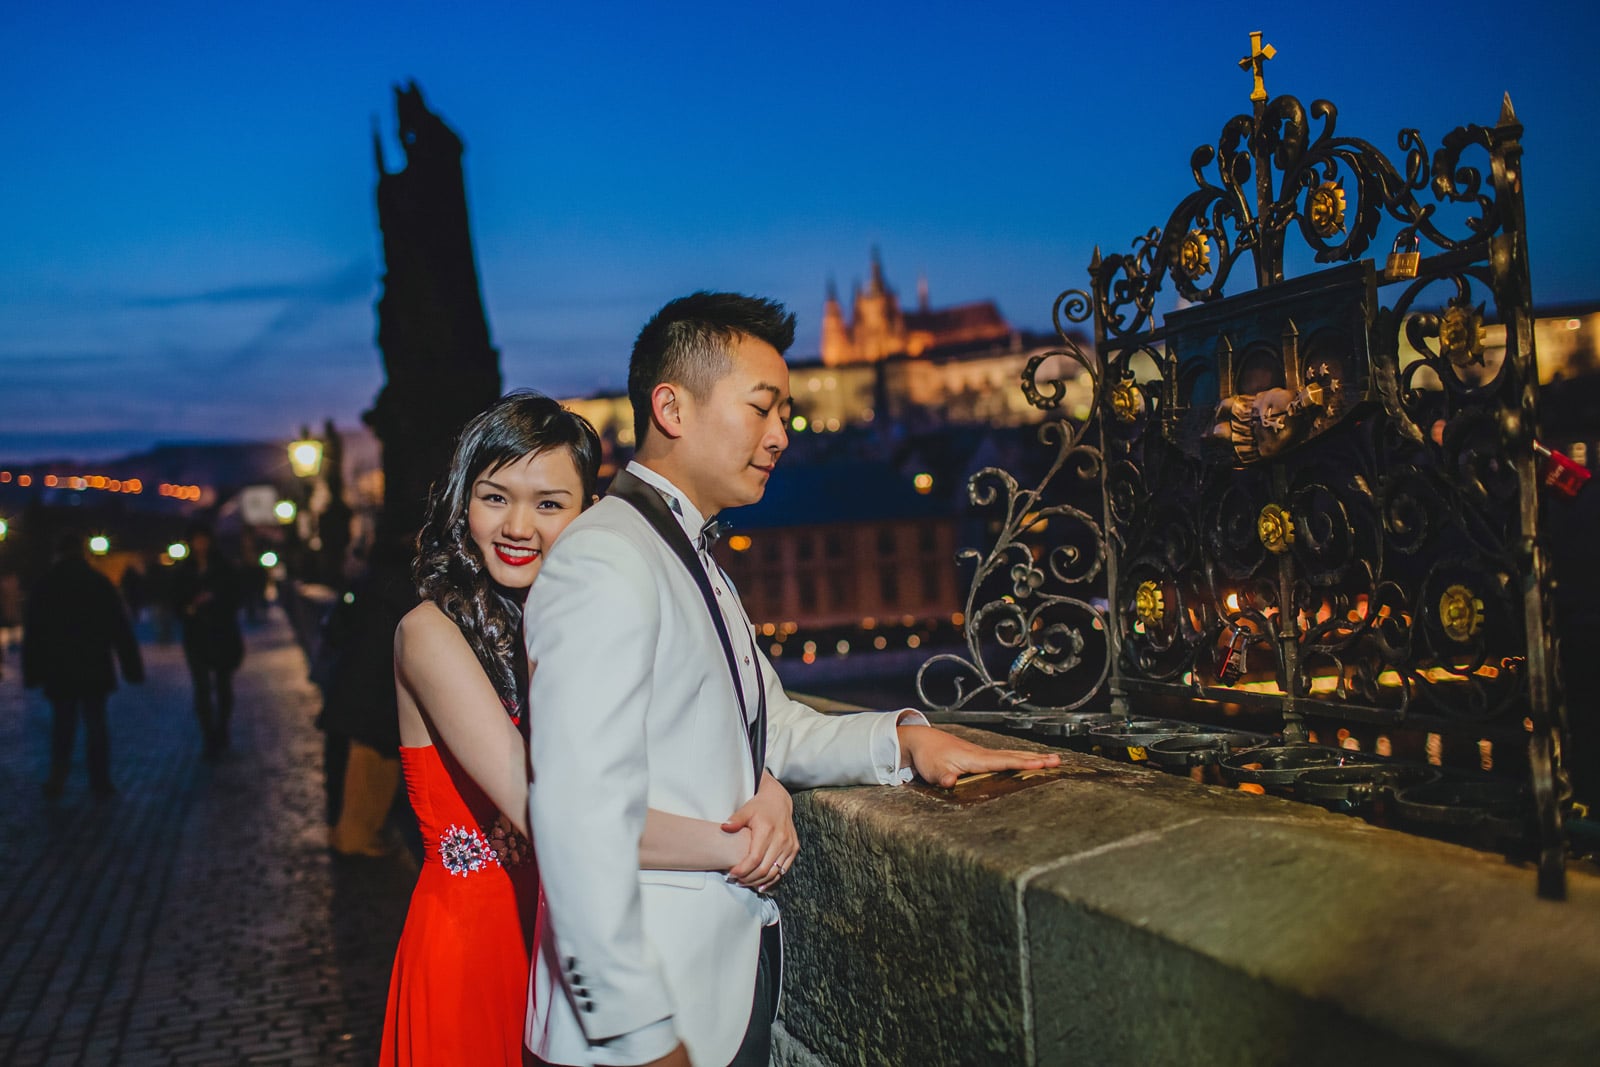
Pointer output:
x,y
777,394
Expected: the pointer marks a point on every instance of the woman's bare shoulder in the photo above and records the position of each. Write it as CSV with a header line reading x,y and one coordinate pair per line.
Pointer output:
x,y
425,627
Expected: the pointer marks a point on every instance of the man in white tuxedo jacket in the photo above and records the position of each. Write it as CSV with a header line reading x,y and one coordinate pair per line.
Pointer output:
x,y
638,701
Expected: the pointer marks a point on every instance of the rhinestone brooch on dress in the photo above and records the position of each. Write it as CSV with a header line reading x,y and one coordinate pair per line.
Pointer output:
x,y
463,851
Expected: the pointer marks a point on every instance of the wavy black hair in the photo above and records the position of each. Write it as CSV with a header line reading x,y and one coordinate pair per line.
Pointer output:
x,y
449,570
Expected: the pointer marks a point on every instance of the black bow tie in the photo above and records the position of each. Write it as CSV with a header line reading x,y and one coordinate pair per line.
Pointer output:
x,y
711,533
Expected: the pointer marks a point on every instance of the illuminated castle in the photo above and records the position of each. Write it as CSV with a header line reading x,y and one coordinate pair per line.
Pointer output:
x,y
879,328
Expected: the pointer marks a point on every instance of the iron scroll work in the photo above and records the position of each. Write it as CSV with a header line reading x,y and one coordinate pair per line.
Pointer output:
x,y
1291,516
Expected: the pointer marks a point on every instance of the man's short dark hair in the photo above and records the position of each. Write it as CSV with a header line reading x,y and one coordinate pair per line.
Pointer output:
x,y
689,342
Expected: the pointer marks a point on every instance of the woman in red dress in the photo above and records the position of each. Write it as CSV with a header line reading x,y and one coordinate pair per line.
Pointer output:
x,y
458,993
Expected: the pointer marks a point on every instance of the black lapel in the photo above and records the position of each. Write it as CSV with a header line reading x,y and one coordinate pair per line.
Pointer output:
x,y
649,503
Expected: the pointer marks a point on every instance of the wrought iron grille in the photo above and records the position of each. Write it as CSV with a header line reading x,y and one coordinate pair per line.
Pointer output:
x,y
1296,510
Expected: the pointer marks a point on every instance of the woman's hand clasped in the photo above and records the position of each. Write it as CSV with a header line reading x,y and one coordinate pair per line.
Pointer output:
x,y
769,818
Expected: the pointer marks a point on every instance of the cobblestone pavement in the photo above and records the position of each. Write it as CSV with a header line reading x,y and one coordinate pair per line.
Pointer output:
x,y
196,917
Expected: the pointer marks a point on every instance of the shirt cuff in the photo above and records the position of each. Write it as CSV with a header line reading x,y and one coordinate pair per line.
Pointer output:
x,y
650,1042
886,747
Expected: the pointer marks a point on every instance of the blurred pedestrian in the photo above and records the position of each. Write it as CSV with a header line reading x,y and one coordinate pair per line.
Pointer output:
x,y
135,591
206,591
359,712
75,624
10,610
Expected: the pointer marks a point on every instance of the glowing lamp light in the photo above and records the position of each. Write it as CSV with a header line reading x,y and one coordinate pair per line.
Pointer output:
x,y
1232,601
178,550
305,457
923,483
269,559
739,543
285,511
99,544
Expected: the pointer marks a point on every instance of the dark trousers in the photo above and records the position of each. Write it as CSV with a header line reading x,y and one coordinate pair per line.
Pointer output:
x,y
213,702
66,712
756,1048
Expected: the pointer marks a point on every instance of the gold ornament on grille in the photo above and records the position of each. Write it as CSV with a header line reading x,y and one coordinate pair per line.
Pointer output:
x,y
1325,209
1460,613
1275,528
1461,336
1194,255
1127,401
1149,604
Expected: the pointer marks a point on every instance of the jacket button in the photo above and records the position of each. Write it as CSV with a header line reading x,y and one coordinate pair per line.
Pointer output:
x,y
588,1005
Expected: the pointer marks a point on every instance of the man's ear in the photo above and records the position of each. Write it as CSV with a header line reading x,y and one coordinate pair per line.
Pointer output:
x,y
666,409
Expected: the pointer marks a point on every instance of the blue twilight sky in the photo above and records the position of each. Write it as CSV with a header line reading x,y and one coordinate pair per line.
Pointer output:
x,y
189,247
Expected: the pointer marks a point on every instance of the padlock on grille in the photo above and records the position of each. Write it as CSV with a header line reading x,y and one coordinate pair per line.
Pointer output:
x,y
1405,259
1232,667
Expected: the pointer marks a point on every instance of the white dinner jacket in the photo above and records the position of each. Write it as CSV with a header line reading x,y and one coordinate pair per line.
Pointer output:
x,y
632,706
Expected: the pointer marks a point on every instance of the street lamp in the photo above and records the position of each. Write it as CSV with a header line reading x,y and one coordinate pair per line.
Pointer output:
x,y
178,550
285,510
305,455
99,544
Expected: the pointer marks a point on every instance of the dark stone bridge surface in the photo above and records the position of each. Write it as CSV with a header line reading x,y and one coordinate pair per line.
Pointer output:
x,y
196,917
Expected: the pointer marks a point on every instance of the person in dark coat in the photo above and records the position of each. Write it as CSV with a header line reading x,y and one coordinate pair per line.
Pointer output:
x,y
359,702
75,624
206,591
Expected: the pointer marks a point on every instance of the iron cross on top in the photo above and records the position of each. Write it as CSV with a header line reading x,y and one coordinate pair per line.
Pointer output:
x,y
1255,61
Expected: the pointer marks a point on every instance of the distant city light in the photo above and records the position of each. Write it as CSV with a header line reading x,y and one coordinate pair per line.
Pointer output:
x,y
99,544
913,641
50,480
1573,324
923,483
305,457
24,480
833,425
5,476
798,423
285,511
178,550
810,647
843,647
4,529
880,642
269,559
739,543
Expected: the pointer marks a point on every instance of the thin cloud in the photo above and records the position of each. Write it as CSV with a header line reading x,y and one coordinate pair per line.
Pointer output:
x,y
353,282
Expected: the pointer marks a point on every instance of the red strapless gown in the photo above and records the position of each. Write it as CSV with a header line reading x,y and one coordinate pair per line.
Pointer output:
x,y
459,990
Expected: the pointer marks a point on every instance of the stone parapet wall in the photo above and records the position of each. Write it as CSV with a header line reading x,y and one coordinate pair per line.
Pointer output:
x,y
1108,914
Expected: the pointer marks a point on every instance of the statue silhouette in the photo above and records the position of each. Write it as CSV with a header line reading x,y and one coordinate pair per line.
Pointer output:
x,y
441,367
